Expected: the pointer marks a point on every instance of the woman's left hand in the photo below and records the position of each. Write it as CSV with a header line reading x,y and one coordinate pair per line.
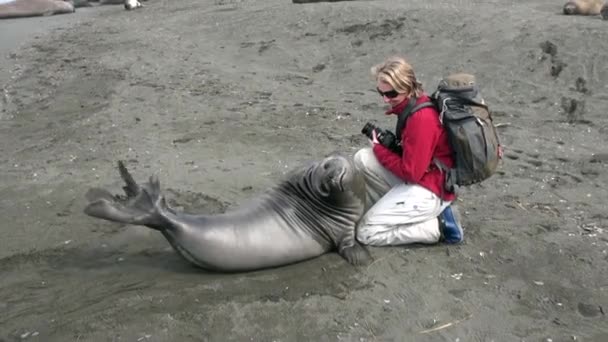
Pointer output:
x,y
374,138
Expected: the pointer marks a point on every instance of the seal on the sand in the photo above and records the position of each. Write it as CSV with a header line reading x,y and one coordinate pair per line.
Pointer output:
x,y
586,7
129,4
313,211
132,4
33,8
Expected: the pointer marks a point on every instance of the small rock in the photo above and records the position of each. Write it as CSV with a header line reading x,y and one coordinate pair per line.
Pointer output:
x,y
318,67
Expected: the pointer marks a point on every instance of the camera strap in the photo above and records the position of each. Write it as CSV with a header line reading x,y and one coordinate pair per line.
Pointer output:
x,y
410,109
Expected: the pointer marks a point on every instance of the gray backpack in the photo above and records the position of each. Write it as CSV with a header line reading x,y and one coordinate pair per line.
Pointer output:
x,y
471,131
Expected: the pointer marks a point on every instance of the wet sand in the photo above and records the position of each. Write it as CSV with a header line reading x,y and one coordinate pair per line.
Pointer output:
x,y
222,98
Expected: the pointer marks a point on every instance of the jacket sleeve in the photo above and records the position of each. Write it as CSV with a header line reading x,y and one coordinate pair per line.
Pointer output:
x,y
420,137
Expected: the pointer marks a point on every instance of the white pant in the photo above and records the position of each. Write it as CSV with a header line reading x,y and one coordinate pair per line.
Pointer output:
x,y
399,213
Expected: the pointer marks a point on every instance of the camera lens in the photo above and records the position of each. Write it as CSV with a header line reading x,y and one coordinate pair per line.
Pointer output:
x,y
367,129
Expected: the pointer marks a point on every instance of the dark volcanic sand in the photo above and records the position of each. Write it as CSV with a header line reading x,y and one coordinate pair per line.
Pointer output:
x,y
222,98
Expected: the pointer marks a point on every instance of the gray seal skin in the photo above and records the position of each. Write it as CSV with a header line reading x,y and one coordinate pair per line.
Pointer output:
x,y
313,211
33,8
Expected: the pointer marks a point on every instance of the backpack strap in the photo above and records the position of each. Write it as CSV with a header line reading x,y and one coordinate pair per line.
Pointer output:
x,y
410,109
449,181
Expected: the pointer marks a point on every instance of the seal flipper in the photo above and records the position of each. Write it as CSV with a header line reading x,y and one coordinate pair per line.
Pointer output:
x,y
131,188
141,206
95,194
356,255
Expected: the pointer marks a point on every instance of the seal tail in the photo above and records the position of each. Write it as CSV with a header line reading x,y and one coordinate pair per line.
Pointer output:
x,y
141,206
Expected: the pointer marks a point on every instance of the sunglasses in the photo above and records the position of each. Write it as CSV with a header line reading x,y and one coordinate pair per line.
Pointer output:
x,y
391,94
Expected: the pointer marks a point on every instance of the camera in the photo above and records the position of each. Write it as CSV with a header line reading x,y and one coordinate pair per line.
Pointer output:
x,y
385,137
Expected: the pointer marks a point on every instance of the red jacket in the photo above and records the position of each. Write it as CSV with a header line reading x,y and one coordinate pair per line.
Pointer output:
x,y
423,138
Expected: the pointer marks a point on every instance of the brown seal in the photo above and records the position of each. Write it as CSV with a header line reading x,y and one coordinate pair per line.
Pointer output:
x,y
33,8
586,7
128,4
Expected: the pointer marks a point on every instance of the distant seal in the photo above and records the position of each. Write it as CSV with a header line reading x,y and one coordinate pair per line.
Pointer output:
x,y
129,4
311,212
32,8
132,4
586,7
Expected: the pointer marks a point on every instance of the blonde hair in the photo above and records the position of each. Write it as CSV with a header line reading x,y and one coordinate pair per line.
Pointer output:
x,y
397,72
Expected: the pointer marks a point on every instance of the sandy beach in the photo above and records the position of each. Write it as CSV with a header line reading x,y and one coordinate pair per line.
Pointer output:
x,y
221,98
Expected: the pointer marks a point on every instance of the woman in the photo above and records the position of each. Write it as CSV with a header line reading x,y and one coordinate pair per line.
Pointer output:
x,y
405,195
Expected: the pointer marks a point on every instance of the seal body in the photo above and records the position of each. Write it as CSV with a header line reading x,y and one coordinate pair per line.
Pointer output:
x,y
32,8
132,4
584,7
127,3
311,212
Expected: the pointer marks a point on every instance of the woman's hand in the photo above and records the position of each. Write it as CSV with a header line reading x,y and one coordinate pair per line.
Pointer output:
x,y
374,140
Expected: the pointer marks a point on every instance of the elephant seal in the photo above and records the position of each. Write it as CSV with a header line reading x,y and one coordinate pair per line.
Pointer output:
x,y
313,211
132,4
586,7
33,8
128,4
